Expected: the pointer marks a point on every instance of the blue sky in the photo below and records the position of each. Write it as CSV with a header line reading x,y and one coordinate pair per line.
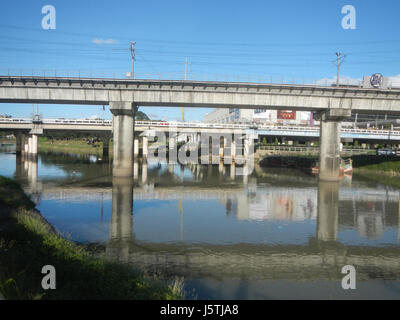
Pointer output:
x,y
283,39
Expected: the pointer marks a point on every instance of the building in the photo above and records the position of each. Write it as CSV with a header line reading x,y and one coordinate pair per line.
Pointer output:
x,y
262,116
229,115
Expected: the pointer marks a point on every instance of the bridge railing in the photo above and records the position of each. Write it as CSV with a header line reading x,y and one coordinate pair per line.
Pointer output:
x,y
178,124
178,76
314,149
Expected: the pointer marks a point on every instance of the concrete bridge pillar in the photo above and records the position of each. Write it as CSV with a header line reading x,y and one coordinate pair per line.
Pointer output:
x,y
34,150
222,147
136,148
145,146
19,146
246,147
135,168
29,145
171,142
221,167
198,138
233,149
328,210
25,143
106,146
329,156
123,129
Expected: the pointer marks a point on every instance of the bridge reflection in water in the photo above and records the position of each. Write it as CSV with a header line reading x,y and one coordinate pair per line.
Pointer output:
x,y
322,257
264,196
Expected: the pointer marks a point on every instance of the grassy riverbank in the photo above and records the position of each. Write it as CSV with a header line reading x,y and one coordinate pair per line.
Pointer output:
x,y
73,145
389,165
28,242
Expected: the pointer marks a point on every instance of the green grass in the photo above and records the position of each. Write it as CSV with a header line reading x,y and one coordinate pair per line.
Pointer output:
x,y
28,242
383,164
73,145
12,195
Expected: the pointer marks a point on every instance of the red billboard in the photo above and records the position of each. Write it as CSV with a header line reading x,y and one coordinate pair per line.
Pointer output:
x,y
286,115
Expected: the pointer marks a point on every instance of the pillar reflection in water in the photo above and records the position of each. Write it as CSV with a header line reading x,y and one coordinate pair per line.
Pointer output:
x,y
135,169
121,225
233,171
19,170
33,174
144,171
328,210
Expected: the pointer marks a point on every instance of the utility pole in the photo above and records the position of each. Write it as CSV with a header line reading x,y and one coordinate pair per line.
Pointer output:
x,y
132,48
185,78
339,60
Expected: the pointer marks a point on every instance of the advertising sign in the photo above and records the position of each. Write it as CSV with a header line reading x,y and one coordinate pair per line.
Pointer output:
x,y
286,115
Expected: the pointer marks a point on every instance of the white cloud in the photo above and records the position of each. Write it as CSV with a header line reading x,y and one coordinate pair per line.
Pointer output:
x,y
394,81
342,80
104,41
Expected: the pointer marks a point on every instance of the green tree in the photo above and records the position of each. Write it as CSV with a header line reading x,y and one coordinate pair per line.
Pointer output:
x,y
276,142
264,141
141,116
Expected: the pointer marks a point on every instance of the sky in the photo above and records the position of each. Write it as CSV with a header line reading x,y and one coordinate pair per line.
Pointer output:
x,y
285,40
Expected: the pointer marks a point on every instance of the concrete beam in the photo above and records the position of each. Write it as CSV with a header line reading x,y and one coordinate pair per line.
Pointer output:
x,y
333,115
197,94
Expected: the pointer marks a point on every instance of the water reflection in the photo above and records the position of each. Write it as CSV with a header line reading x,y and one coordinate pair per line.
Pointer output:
x,y
121,224
225,234
328,210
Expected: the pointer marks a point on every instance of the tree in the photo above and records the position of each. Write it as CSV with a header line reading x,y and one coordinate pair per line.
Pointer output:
x,y
141,116
264,141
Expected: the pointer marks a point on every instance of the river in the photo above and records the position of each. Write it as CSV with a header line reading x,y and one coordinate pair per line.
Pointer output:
x,y
275,234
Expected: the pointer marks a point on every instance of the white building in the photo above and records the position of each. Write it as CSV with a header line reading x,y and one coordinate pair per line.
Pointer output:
x,y
229,115
262,116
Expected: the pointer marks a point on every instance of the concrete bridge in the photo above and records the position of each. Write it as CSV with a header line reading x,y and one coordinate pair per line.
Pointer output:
x,y
187,130
316,259
332,105
105,126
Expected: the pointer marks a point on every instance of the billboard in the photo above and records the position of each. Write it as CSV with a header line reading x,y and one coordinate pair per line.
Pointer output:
x,y
286,115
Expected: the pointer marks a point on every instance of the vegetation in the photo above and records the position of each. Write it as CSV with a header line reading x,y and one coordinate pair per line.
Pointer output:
x,y
77,145
28,242
384,164
139,115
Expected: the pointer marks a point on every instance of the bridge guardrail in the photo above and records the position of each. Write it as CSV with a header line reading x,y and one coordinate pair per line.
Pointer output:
x,y
201,125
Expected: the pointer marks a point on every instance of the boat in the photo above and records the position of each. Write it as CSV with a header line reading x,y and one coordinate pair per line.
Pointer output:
x,y
346,167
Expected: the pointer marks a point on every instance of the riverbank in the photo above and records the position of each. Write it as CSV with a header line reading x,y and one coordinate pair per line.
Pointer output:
x,y
380,169
28,242
78,146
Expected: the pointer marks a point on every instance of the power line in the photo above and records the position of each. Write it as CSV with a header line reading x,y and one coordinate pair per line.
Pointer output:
x,y
132,48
